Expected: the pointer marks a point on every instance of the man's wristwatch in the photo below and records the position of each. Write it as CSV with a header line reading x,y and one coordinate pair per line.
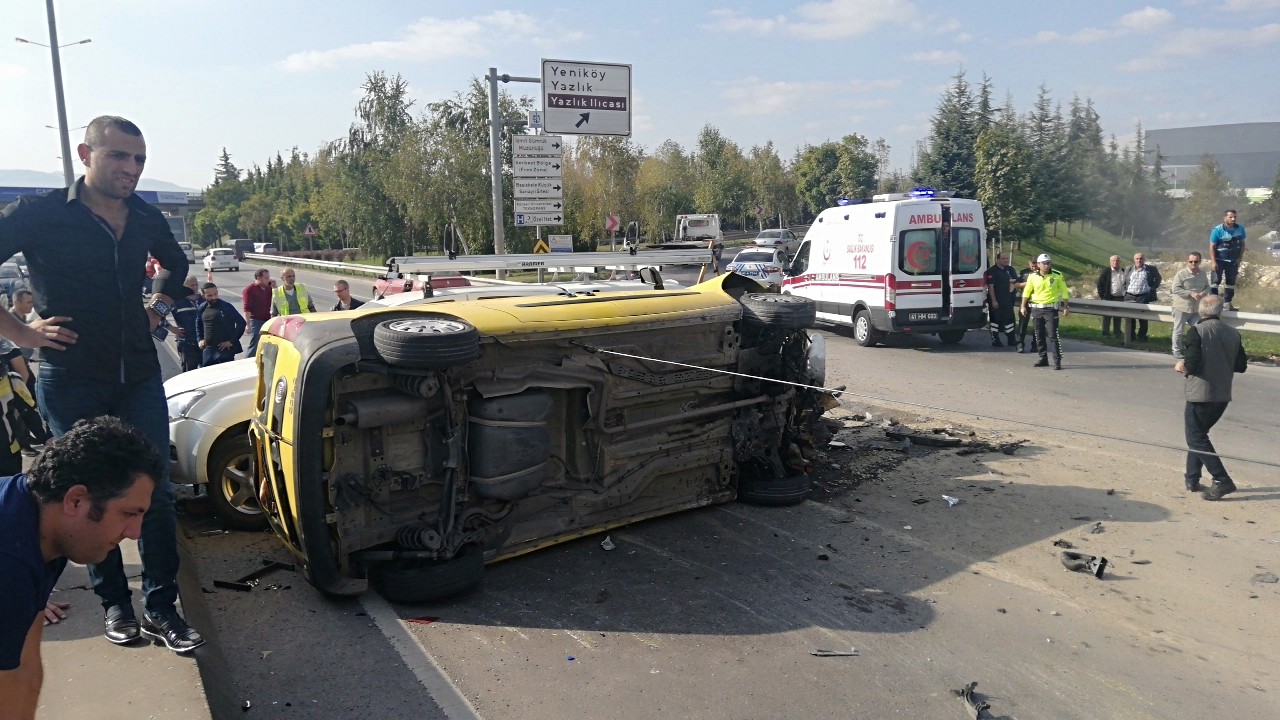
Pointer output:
x,y
159,306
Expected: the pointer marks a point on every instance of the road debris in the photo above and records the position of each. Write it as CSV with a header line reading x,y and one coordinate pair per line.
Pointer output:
x,y
971,701
851,652
951,501
602,595
1079,562
837,445
424,620
1063,544
250,581
1140,562
924,439
607,543
1097,528
920,501
1266,577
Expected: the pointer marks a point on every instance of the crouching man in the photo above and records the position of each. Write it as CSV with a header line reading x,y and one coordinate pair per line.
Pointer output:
x,y
86,492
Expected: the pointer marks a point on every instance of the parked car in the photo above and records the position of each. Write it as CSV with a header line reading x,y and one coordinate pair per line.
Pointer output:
x,y
764,265
210,408
1274,250
410,446
221,259
189,251
784,239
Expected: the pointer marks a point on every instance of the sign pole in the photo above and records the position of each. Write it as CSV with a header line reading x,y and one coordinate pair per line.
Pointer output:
x,y
495,167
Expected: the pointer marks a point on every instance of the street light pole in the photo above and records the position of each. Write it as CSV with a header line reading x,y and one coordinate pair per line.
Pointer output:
x,y
68,174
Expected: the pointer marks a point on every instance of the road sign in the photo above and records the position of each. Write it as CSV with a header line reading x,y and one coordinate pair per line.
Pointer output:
x,y
541,247
550,145
586,98
527,219
310,231
544,188
561,243
535,119
539,206
543,167
611,223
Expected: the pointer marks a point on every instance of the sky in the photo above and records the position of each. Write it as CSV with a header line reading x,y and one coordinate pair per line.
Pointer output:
x,y
262,76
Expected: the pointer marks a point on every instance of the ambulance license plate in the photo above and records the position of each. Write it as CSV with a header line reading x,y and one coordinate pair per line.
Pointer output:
x,y
916,317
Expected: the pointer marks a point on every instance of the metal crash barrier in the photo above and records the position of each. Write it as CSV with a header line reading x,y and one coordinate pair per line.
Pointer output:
x,y
1253,322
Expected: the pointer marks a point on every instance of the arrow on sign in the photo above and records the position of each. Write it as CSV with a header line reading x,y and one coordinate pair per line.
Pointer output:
x,y
586,117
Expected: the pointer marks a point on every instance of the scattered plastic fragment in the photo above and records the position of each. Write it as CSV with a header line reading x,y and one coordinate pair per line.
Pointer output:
x,y
837,445
246,706
1079,562
851,652
1002,611
919,501
607,543
975,706
1097,528
265,653
1266,577
1140,562
248,582
1112,491
951,501
906,527
1063,544
824,556
424,620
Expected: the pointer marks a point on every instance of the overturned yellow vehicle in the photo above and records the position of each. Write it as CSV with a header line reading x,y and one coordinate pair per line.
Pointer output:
x,y
410,446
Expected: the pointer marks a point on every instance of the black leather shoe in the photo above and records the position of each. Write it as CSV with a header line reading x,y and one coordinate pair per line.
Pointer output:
x,y
995,341
1042,362
1010,340
1218,490
1191,485
120,625
171,630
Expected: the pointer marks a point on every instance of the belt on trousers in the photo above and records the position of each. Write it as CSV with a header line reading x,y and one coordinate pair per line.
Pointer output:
x,y
1042,306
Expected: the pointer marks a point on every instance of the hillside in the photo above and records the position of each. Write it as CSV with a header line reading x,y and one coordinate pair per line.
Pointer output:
x,y
1083,252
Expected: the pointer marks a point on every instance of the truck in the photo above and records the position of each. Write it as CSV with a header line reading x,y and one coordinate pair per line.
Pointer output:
x,y
242,246
693,232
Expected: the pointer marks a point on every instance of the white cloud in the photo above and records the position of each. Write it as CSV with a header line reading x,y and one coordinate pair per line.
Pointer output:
x,y
1144,65
1251,5
427,40
937,57
755,97
831,20
10,71
964,37
1197,43
1138,22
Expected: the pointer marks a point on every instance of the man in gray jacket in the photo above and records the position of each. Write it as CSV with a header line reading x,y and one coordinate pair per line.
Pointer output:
x,y
1189,285
1214,353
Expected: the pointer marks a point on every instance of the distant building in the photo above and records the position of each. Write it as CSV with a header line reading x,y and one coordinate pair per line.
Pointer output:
x,y
1247,153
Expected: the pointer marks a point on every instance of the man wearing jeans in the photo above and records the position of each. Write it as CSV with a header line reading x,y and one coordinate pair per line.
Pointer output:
x,y
87,247
1226,251
1215,354
256,300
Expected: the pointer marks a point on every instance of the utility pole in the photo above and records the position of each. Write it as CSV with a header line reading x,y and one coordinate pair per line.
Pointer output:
x,y
68,174
496,124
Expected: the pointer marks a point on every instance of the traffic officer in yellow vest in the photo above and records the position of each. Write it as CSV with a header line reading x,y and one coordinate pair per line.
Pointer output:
x,y
1046,293
292,297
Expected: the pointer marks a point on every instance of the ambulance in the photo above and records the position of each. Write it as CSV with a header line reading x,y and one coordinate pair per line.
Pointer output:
x,y
887,266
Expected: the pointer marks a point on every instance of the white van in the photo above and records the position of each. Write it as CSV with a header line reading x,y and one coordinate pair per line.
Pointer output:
x,y
265,248
885,267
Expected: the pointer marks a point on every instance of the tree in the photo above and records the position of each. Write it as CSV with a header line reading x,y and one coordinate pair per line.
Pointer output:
x,y
1004,169
1210,195
771,185
950,160
1047,135
720,175
664,189
225,170
815,170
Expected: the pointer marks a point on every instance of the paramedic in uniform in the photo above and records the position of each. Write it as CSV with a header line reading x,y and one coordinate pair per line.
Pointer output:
x,y
1000,280
1046,292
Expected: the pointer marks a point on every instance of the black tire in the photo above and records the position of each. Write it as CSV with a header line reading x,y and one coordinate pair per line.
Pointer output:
x,y
951,337
417,581
864,331
790,312
231,490
774,492
427,341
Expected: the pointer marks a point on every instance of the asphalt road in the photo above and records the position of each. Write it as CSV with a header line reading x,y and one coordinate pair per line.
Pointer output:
x,y
714,613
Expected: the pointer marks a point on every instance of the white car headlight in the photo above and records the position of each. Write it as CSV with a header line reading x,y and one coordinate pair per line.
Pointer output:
x,y
180,404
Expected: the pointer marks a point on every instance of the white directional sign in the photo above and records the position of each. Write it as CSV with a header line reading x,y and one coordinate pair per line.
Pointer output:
x,y
549,145
548,167
538,188
586,98
523,219
561,243
549,205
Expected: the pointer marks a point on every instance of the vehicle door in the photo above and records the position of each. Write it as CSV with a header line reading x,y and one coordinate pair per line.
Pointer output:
x,y
965,283
923,271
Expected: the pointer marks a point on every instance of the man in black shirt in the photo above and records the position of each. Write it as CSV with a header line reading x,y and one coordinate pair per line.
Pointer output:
x,y
218,327
1000,279
86,247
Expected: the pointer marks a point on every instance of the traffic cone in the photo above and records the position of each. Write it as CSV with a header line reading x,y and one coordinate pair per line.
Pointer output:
x,y
210,276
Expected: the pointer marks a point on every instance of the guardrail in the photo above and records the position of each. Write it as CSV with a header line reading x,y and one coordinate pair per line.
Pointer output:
x,y
1253,322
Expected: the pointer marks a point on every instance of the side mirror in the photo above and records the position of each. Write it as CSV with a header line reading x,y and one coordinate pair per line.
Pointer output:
x,y
651,276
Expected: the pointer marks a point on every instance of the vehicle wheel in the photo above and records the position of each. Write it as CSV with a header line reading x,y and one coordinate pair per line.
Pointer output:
x,y
864,333
951,337
427,341
230,487
773,492
418,581
790,312
235,269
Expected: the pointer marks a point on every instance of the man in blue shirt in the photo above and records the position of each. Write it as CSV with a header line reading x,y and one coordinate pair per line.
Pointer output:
x,y
1226,250
185,315
86,492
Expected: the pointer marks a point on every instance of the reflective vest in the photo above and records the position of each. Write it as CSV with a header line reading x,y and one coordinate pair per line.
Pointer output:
x,y
282,304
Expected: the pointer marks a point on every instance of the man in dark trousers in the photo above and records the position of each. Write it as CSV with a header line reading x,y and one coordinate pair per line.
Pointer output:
x,y
86,492
342,289
1024,319
86,247
1226,252
184,314
1111,287
1214,354
218,327
1001,279
256,301
1046,296
1140,283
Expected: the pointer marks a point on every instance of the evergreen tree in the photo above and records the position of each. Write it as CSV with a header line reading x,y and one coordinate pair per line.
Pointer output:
x,y
1005,169
950,160
225,170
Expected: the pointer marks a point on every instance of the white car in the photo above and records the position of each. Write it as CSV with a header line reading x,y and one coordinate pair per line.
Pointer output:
x,y
209,409
783,239
221,259
189,251
763,265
